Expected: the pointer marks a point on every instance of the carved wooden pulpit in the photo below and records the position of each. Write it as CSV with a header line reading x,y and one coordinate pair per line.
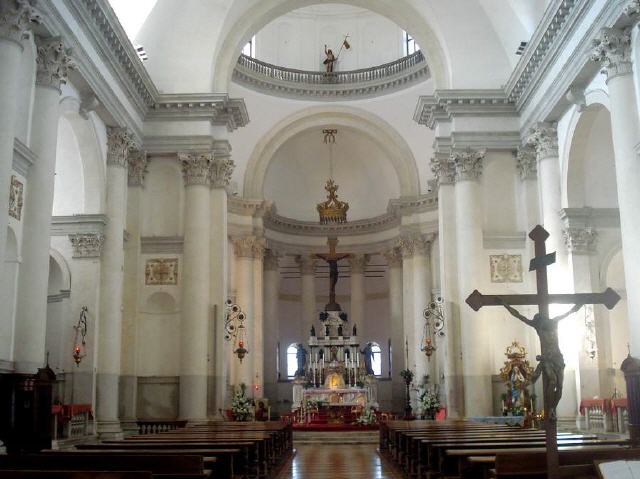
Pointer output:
x,y
551,360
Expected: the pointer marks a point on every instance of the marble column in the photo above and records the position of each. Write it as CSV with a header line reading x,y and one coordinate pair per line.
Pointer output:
x,y
543,137
119,141
258,319
53,63
444,171
246,249
137,169
472,266
614,52
16,19
309,309
527,165
271,323
358,294
394,273
221,171
195,286
422,286
405,246
582,242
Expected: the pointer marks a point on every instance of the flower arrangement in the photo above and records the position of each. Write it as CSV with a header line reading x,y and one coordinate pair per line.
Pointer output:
x,y
368,415
429,403
407,375
241,405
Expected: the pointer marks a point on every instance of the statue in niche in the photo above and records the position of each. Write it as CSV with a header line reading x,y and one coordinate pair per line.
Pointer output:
x,y
340,330
301,356
313,331
517,375
368,358
355,330
326,330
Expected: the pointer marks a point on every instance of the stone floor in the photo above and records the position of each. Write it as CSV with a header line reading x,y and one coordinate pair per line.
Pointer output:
x,y
337,462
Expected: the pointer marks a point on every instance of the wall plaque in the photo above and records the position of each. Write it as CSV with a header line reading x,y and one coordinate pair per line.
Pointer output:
x,y
506,268
161,271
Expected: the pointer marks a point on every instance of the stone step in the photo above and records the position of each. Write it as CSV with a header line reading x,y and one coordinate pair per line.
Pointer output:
x,y
335,437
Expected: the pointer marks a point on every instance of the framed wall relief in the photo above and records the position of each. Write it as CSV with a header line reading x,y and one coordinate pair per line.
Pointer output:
x,y
161,271
16,190
506,268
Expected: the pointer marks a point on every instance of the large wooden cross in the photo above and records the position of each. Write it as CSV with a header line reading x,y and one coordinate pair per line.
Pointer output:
x,y
332,259
551,364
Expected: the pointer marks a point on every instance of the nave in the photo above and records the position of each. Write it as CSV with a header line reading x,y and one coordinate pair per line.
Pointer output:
x,y
334,461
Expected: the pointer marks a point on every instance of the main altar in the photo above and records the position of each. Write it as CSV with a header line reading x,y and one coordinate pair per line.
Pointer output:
x,y
333,372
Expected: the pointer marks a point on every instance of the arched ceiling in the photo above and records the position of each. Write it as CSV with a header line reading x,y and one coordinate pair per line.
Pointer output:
x,y
299,169
193,44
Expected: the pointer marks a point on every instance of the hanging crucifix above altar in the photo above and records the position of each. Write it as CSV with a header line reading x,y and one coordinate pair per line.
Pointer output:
x,y
332,259
551,361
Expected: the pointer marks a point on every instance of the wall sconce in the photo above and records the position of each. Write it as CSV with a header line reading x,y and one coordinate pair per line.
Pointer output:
x,y
433,326
235,329
79,349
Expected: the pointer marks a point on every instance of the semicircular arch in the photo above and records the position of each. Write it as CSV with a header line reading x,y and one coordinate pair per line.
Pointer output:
x,y
377,130
250,16
577,147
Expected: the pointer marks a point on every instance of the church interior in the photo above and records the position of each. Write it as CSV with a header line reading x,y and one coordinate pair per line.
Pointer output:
x,y
308,239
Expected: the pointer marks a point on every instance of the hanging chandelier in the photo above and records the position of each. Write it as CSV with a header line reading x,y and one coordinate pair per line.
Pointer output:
x,y
332,210
235,330
433,326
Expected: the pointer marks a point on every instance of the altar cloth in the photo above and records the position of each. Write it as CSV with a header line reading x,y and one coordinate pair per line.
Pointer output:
x,y
508,420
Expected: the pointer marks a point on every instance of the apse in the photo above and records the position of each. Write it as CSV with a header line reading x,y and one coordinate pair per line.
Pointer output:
x,y
299,170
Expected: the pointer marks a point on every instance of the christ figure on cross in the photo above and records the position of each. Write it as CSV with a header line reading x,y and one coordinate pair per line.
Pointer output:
x,y
332,259
552,362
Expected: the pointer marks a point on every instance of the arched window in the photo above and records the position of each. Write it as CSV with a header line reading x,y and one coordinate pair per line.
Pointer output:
x,y
250,48
292,360
376,359
410,45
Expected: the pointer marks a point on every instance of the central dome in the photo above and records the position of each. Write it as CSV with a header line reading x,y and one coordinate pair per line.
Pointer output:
x,y
297,40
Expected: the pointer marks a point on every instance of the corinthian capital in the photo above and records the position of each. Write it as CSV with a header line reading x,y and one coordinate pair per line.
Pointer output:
x,y
53,62
468,164
526,162
393,257
359,263
632,10
137,167
249,246
86,245
119,142
444,170
581,240
196,168
271,260
221,171
16,18
543,138
307,264
612,50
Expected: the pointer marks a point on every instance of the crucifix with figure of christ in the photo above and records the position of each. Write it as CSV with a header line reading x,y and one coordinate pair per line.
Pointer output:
x,y
332,259
551,362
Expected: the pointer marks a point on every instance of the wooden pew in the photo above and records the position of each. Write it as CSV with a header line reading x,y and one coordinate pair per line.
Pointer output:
x,y
224,462
35,474
533,463
165,466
